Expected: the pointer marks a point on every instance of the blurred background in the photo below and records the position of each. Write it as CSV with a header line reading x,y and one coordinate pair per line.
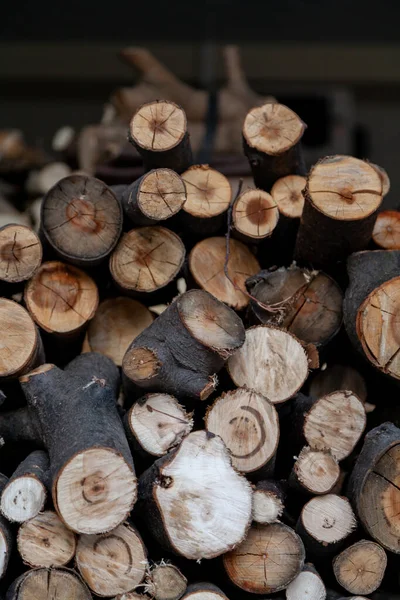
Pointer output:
x,y
336,64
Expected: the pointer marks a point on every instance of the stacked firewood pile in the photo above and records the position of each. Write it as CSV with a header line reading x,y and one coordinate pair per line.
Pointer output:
x,y
182,412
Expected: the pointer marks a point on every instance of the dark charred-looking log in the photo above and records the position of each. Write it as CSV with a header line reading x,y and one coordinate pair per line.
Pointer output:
x,y
113,563
183,349
156,196
267,561
342,197
20,253
315,472
158,130
44,541
207,261
81,219
272,143
338,377
307,585
373,485
7,536
25,494
255,216
165,582
370,308
48,584
248,423
268,502
195,503
386,233
281,351
360,568
306,303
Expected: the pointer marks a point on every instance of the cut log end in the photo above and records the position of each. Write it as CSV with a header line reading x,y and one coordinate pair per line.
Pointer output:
x,y
249,426
287,194
161,194
48,584
206,263
377,327
267,507
81,219
281,352
61,298
308,585
114,563
116,323
317,471
328,519
335,422
165,582
20,253
272,128
44,541
386,233
95,491
147,259
344,188
23,498
19,339
360,568
255,214
270,558
159,423
158,126
204,591
208,192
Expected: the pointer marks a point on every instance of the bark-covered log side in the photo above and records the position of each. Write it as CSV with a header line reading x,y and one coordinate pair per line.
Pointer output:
x,y
95,365
20,253
183,349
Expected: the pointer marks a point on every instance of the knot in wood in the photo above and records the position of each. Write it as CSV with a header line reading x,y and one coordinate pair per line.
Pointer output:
x,y
165,481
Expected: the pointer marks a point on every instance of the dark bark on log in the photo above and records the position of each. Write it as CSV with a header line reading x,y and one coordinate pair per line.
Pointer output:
x,y
20,426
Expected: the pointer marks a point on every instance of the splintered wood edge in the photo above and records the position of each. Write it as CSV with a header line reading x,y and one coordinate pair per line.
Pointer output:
x,y
20,253
344,188
162,193
267,507
255,214
20,338
386,232
272,128
209,192
158,126
317,470
287,194
360,568
165,582
328,518
23,498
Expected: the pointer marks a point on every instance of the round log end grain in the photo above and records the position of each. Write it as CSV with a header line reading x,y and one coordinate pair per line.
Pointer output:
x,y
19,338
360,568
158,126
20,253
267,506
287,194
328,519
23,498
161,194
208,191
386,232
255,214
50,584
308,585
165,582
316,470
272,128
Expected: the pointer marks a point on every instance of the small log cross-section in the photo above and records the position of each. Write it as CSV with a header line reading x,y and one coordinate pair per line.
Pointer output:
x,y
268,502
116,323
386,233
325,523
146,260
315,471
306,303
158,423
194,501
249,426
287,195
308,585
7,536
20,253
25,494
156,196
209,194
81,219
342,197
271,140
183,349
44,541
158,130
113,563
21,346
336,422
268,559
360,568
255,215
48,584
61,298
207,262
165,582
204,591
271,362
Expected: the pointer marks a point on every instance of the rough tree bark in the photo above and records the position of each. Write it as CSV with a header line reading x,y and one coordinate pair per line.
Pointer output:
x,y
194,501
272,143
386,232
342,197
255,216
20,253
183,349
48,584
360,568
158,130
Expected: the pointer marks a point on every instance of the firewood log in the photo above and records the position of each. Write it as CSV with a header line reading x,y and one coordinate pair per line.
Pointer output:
x,y
386,232
315,472
194,501
308,584
248,423
156,196
112,563
204,591
183,349
165,582
20,253
342,197
25,493
268,502
338,377
267,561
255,216
7,537
288,196
360,568
48,584
44,541
81,220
